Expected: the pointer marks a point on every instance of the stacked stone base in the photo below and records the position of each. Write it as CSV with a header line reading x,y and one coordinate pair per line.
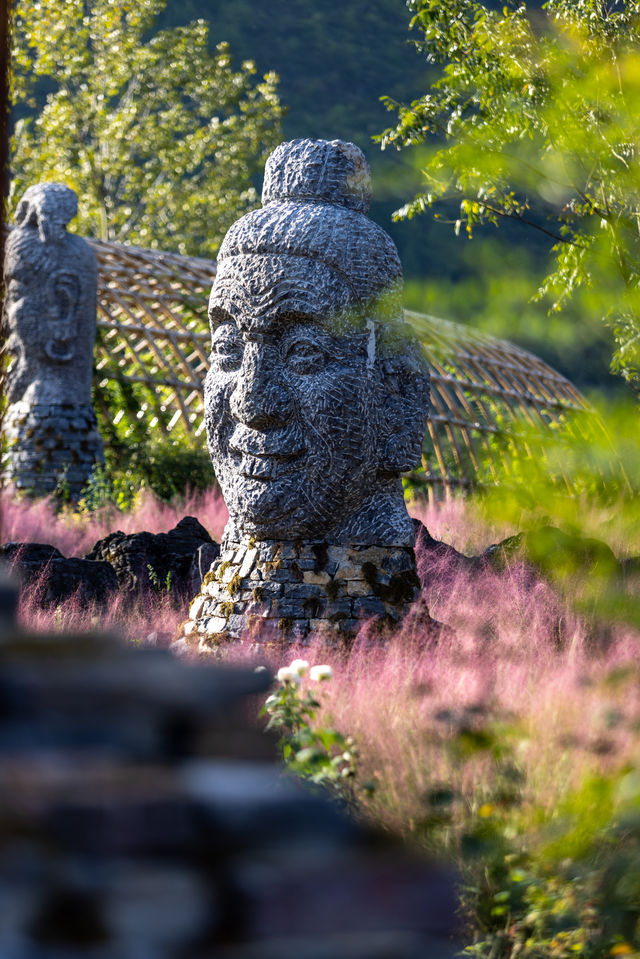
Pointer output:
x,y
291,591
51,446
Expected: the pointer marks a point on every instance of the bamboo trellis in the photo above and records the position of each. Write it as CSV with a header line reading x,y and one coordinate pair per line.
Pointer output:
x,y
153,332
153,329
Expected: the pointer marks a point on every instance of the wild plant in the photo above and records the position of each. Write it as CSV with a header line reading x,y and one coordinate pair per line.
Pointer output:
x,y
316,753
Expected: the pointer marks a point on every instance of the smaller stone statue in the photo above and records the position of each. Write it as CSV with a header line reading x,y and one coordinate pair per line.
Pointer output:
x,y
50,318
315,402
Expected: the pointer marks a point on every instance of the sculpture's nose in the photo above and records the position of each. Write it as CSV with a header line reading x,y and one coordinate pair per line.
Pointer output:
x,y
260,399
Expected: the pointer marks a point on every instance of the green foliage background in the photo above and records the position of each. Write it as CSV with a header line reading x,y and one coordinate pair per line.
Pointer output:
x,y
335,62
532,120
157,131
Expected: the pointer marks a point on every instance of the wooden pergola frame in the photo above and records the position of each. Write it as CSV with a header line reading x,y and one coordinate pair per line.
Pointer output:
x,y
487,394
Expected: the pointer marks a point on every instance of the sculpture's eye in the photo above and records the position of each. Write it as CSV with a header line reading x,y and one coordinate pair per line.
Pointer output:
x,y
226,347
304,356
15,289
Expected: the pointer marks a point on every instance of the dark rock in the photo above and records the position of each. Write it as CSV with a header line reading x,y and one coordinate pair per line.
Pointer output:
x,y
420,622
91,580
154,561
552,551
546,549
44,568
499,555
436,558
367,607
26,561
630,568
144,813
9,595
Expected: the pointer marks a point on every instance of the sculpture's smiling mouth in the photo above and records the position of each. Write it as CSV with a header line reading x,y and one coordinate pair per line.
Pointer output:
x,y
266,455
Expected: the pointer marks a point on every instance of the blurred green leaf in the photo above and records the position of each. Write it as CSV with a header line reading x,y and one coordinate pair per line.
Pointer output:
x,y
533,119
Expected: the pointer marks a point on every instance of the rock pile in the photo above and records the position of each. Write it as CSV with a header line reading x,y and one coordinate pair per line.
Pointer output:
x,y
43,567
132,564
172,560
546,551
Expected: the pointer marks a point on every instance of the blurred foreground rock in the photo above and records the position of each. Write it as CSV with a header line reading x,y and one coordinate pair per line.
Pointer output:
x,y
142,816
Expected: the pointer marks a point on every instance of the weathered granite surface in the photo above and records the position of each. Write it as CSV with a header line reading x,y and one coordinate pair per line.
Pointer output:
x,y
316,398
50,316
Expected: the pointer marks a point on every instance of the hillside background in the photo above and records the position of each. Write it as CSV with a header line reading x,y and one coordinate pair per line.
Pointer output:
x,y
335,61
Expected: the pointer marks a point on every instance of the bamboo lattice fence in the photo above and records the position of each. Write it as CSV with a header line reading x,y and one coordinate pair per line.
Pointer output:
x,y
486,393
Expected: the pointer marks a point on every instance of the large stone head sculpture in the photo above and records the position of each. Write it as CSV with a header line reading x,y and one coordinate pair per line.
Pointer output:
x,y
50,301
317,395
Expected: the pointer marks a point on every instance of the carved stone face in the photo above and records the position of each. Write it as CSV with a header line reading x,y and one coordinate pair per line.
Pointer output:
x,y
40,313
292,396
316,397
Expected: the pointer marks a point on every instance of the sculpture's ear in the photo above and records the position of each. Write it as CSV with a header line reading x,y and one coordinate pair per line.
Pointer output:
x,y
24,213
405,407
66,290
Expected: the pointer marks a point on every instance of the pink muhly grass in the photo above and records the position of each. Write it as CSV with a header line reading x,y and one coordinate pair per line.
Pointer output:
x,y
36,521
134,620
403,703
520,662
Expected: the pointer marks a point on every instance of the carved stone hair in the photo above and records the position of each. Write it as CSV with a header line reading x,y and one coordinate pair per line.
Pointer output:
x,y
315,198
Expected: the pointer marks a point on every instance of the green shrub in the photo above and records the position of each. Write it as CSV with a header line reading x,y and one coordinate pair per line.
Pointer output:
x,y
168,467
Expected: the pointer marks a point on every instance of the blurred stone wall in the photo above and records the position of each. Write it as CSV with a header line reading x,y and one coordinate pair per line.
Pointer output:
x,y
143,815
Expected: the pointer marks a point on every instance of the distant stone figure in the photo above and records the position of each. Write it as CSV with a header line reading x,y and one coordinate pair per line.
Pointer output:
x,y
316,401
50,316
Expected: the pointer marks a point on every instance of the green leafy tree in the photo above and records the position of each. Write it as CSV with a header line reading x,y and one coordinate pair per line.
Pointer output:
x,y
160,138
534,117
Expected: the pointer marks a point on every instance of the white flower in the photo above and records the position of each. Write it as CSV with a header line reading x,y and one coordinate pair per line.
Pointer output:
x,y
299,666
318,673
287,675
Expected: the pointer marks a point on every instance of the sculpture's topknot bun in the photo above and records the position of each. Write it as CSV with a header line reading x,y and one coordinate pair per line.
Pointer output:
x,y
315,198
320,171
